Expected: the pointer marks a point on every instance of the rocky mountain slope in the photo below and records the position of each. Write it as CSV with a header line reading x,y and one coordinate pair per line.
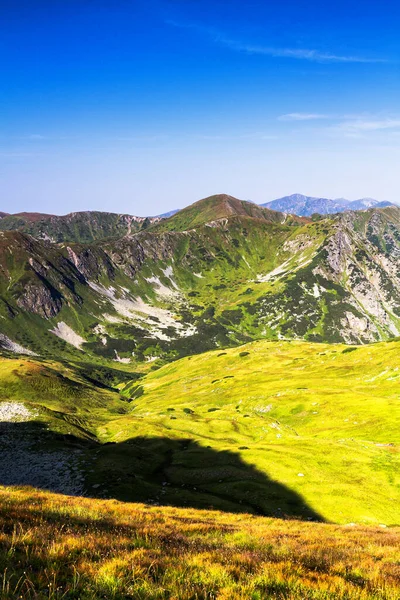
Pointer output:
x,y
308,205
218,273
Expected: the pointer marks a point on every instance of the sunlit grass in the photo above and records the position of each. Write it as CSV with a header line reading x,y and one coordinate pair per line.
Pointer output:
x,y
320,419
317,420
60,547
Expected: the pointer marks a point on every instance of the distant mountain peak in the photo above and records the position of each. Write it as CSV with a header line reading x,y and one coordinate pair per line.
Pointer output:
x,y
305,206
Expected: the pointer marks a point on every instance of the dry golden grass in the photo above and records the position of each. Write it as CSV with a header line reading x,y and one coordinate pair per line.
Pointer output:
x,y
62,547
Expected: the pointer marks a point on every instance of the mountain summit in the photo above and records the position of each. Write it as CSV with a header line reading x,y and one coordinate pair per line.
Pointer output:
x,y
221,206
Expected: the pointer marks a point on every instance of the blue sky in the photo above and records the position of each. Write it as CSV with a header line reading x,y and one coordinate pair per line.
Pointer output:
x,y
144,106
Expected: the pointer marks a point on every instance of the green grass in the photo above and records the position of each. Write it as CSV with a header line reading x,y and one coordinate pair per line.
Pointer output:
x,y
276,428
288,408
61,395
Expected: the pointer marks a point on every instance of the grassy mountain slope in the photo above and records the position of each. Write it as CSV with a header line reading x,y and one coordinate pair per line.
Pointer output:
x,y
221,206
157,294
59,547
142,288
60,389
330,280
275,428
290,408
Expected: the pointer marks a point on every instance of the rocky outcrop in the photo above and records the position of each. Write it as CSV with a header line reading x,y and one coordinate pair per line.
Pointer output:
x,y
40,299
91,262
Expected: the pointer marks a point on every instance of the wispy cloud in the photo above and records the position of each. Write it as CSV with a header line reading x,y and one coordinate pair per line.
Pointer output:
x,y
364,125
347,124
241,136
303,117
142,138
16,154
272,51
298,53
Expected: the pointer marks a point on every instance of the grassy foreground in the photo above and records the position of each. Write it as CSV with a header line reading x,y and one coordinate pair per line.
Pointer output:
x,y
62,547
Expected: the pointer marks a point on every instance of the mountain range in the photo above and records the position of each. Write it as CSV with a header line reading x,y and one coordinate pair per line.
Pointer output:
x,y
308,205
218,273
89,226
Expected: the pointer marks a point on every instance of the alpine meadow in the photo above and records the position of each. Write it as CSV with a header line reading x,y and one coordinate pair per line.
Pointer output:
x,y
199,398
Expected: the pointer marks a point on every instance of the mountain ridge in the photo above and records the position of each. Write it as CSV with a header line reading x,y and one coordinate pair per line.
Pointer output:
x,y
82,226
300,204
89,226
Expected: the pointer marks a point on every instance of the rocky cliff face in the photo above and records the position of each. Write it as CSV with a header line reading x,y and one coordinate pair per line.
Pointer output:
x,y
35,276
354,278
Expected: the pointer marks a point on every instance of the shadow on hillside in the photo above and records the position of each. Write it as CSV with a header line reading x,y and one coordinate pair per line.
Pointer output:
x,y
155,470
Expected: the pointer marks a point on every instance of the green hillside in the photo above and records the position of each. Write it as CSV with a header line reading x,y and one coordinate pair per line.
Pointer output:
x,y
154,294
275,428
326,412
